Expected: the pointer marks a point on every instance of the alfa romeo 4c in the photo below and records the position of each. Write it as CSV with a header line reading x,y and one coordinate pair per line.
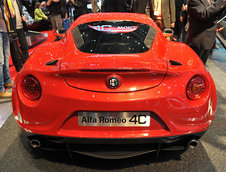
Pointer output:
x,y
114,87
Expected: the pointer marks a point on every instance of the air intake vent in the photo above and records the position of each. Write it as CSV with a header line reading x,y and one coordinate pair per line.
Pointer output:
x,y
175,63
51,63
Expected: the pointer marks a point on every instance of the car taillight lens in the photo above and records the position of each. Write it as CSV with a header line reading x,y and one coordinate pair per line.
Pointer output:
x,y
31,88
195,88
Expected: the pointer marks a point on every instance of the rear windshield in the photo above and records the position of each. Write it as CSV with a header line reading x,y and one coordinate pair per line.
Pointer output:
x,y
113,37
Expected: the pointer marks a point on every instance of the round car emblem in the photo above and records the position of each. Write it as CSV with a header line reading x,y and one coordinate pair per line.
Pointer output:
x,y
113,82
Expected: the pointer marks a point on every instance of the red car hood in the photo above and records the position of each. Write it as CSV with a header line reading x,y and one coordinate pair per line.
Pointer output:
x,y
92,71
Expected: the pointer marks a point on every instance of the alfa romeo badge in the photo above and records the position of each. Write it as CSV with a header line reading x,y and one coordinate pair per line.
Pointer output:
x,y
113,82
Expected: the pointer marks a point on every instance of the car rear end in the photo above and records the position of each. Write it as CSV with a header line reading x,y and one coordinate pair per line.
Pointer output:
x,y
116,101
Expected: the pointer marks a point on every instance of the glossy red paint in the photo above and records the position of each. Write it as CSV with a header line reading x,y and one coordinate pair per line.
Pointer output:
x,y
149,82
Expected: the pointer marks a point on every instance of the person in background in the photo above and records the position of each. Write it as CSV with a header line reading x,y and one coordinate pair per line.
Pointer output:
x,y
178,23
5,79
29,19
70,9
55,14
80,8
163,13
19,26
201,34
33,2
114,6
63,9
139,6
44,8
94,6
184,20
38,14
29,7
41,18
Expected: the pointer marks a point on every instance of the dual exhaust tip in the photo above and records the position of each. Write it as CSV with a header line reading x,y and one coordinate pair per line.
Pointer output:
x,y
193,143
35,143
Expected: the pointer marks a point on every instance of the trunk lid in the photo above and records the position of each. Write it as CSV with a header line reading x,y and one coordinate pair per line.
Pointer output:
x,y
96,72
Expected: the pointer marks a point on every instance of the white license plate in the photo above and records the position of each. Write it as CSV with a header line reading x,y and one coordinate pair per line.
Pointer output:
x,y
114,119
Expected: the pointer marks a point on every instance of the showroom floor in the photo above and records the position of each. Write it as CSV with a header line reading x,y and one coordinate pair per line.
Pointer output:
x,y
209,155
5,110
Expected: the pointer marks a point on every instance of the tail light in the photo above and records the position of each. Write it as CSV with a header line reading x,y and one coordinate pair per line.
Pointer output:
x,y
31,88
196,87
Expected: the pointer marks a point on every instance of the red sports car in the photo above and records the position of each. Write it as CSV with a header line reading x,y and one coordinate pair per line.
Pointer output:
x,y
114,87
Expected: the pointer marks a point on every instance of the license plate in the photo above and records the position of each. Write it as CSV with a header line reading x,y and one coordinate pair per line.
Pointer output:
x,y
114,119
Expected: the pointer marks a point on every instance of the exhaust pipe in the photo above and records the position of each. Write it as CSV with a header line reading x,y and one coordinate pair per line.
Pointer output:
x,y
35,143
193,143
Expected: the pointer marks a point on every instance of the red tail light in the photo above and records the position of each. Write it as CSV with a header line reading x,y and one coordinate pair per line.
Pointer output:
x,y
195,88
31,88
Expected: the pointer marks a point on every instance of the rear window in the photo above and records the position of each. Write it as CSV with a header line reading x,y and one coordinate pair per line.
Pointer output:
x,y
113,37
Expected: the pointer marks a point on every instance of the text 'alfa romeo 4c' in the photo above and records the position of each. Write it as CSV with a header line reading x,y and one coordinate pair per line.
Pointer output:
x,y
114,87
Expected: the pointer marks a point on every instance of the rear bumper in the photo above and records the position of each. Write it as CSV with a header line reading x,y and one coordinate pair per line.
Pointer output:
x,y
114,148
56,112
70,140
